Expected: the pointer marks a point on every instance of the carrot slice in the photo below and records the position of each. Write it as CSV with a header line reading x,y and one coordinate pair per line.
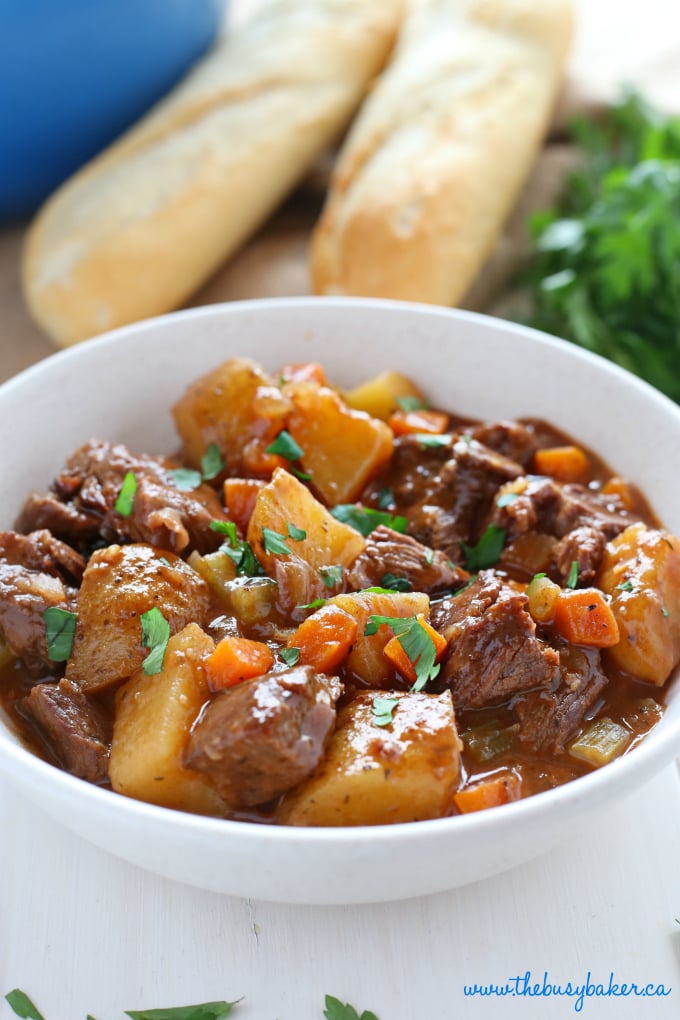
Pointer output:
x,y
309,371
584,617
394,650
324,638
499,789
432,422
619,487
237,659
566,463
240,495
257,461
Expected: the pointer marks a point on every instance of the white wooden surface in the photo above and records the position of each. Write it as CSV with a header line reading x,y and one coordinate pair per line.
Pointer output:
x,y
82,932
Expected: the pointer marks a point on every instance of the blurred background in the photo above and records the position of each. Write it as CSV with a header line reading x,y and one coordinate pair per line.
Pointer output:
x,y
107,63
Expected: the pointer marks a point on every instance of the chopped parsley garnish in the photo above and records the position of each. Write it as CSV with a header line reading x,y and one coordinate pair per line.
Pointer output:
x,y
395,583
227,528
385,499
201,1011
664,612
297,534
412,404
316,604
572,579
126,496
365,519
415,641
487,551
304,476
382,709
471,580
506,498
429,555
274,543
336,1011
332,575
427,439
247,564
291,656
155,637
625,586
60,629
211,462
21,1005
286,447
186,479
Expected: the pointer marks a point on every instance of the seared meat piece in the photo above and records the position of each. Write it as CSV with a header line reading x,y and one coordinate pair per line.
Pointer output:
x,y
81,507
390,552
585,545
510,438
493,651
549,719
119,585
77,731
43,552
445,491
264,736
24,596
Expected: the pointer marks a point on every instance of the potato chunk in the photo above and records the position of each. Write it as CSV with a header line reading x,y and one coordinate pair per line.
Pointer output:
x,y
366,659
380,396
154,715
375,775
641,573
220,408
343,449
120,583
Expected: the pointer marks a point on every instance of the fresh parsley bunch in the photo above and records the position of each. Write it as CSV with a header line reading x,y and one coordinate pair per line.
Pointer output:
x,y
606,272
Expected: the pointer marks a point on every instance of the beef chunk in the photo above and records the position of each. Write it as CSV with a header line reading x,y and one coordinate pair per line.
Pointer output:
x,y
41,551
81,506
585,545
493,652
510,438
24,596
263,737
77,731
549,719
389,552
446,491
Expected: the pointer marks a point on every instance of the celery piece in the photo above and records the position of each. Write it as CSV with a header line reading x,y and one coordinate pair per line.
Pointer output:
x,y
601,742
6,655
488,741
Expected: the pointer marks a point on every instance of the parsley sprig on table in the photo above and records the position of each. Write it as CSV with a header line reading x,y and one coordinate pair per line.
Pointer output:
x,y
606,272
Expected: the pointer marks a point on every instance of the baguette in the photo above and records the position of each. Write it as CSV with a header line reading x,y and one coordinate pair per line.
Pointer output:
x,y
434,162
140,228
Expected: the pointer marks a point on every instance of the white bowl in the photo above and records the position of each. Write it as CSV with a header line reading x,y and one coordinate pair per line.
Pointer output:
x,y
121,387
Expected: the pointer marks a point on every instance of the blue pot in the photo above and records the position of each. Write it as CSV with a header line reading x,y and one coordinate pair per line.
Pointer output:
x,y
75,73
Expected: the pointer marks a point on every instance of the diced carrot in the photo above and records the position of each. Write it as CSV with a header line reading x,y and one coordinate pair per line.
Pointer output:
x,y
309,371
499,789
566,463
239,498
584,617
394,650
236,659
325,638
619,487
257,461
404,422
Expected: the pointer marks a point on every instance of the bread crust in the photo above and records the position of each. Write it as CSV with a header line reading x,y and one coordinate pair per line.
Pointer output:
x,y
434,162
139,229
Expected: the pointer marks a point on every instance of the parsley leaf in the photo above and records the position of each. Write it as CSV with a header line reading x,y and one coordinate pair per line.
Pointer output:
x,y
274,542
291,656
60,629
297,534
332,575
336,1011
415,641
186,479
625,586
506,498
382,709
247,564
211,462
487,551
22,1006
395,583
227,528
427,439
572,579
412,404
126,496
365,519
316,604
385,499
202,1011
155,637
286,447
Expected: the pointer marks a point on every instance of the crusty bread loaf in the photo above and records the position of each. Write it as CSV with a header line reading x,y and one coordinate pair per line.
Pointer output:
x,y
435,160
135,232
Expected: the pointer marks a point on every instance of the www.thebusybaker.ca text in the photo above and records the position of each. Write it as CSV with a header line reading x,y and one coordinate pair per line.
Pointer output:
x,y
525,986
